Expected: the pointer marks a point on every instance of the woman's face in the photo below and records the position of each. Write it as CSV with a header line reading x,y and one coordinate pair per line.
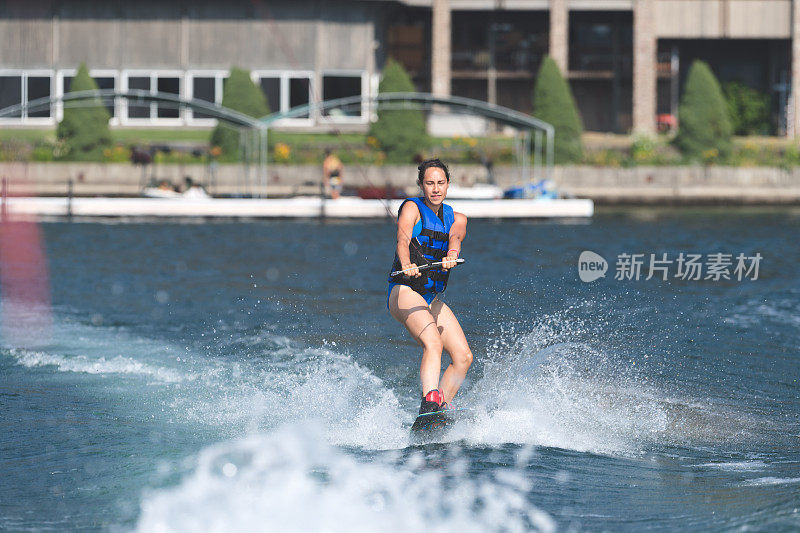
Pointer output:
x,y
434,186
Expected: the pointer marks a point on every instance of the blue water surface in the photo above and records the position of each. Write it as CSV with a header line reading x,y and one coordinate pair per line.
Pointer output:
x,y
236,375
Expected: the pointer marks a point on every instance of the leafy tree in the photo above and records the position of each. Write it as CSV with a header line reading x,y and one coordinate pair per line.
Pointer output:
x,y
553,103
84,130
748,109
401,134
240,94
704,128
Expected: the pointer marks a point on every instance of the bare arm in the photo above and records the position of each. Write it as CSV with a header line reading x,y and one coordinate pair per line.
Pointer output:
x,y
326,174
458,232
409,216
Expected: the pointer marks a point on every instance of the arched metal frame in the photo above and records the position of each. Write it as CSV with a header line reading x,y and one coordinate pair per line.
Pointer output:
x,y
254,147
90,99
414,100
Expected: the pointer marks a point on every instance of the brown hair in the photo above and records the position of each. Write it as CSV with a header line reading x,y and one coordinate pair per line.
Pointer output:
x,y
431,163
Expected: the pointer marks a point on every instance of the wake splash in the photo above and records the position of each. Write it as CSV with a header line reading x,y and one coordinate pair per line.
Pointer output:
x,y
293,384
99,365
552,384
259,382
562,390
292,480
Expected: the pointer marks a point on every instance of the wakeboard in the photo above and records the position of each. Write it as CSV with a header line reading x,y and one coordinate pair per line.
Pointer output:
x,y
438,421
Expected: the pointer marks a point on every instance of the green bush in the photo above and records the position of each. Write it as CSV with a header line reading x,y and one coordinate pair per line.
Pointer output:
x,y
401,134
748,109
604,158
240,94
117,154
643,150
791,157
704,130
553,103
84,130
43,152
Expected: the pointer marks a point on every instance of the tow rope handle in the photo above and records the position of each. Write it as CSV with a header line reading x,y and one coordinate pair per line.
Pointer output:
x,y
424,267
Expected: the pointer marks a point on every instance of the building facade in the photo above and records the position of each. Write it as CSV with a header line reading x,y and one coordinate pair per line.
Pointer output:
x,y
297,51
625,59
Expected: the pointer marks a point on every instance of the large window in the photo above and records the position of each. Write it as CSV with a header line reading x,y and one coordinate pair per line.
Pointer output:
x,y
169,85
271,88
513,41
299,93
286,90
205,86
153,82
105,80
601,41
19,88
139,109
342,86
39,87
11,94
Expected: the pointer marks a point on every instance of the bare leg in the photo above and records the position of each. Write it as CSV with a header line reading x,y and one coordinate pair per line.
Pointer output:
x,y
411,310
454,341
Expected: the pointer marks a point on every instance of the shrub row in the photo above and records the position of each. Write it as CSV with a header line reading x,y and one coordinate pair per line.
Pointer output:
x,y
709,116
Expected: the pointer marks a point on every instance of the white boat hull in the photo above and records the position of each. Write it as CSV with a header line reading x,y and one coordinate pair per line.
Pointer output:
x,y
300,207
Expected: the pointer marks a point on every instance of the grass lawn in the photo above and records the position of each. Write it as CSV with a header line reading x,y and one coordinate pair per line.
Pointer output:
x,y
27,135
332,139
601,149
151,135
124,136
147,136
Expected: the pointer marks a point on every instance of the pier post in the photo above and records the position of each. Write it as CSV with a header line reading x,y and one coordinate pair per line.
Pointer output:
x,y
69,198
559,34
645,48
322,197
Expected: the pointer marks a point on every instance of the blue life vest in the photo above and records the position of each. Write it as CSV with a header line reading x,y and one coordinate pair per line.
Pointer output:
x,y
428,245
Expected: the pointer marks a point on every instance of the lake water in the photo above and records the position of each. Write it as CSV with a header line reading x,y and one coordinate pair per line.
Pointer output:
x,y
235,376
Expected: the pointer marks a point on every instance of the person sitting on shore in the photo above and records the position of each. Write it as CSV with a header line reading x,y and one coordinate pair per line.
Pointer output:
x,y
332,168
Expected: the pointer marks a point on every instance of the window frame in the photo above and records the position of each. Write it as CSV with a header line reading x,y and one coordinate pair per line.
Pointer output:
x,y
24,74
94,73
284,76
153,119
363,117
219,80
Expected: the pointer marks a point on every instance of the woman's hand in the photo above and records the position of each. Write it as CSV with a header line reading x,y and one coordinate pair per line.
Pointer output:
x,y
411,270
450,261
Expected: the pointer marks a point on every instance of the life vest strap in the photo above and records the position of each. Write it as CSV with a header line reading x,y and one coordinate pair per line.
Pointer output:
x,y
435,235
435,254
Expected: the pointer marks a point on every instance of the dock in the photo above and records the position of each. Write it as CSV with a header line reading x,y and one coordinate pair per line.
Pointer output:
x,y
298,207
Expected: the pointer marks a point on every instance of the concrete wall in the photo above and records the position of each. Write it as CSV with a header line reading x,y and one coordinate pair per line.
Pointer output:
x,y
604,185
27,43
682,185
212,34
680,19
187,34
483,5
738,19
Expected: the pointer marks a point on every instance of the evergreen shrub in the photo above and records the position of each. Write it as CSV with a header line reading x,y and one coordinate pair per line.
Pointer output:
x,y
553,103
704,127
241,94
84,131
399,133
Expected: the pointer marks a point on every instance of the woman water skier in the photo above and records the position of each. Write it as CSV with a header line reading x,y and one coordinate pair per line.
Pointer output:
x,y
428,231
